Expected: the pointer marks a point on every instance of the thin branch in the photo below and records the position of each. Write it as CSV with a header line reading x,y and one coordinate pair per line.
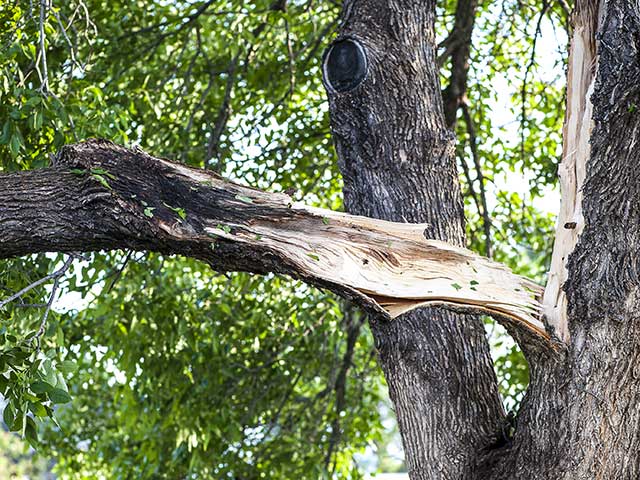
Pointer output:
x,y
43,72
458,46
353,327
473,194
54,290
118,273
486,219
530,64
565,8
292,64
33,285
222,117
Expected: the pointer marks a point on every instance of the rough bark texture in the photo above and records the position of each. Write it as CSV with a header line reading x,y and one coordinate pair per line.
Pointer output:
x,y
580,418
397,160
103,196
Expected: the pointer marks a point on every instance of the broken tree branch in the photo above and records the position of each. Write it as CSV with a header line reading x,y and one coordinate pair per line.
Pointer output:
x,y
99,195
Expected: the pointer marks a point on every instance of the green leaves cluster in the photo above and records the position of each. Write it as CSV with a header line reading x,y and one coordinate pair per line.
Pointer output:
x,y
32,380
187,366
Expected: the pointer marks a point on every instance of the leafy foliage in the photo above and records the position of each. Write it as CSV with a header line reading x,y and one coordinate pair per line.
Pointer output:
x,y
173,370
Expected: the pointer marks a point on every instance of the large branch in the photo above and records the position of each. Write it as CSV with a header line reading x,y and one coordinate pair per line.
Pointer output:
x,y
99,195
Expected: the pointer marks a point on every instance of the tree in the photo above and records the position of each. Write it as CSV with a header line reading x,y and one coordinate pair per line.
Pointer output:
x,y
397,157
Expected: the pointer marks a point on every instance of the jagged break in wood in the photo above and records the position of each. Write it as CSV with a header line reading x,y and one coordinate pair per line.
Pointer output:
x,y
155,204
575,154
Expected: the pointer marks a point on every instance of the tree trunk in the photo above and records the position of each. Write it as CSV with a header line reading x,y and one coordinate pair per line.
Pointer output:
x,y
578,420
581,419
398,163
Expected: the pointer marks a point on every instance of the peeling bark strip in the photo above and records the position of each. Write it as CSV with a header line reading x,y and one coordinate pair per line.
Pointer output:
x,y
575,154
102,196
580,419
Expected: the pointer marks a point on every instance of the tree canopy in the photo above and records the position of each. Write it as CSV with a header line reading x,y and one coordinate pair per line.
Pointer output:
x,y
155,366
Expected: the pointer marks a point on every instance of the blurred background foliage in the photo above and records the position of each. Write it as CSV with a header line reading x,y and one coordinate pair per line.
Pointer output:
x,y
157,367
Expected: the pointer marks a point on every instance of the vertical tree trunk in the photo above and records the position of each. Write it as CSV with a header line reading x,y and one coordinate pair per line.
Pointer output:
x,y
397,160
580,419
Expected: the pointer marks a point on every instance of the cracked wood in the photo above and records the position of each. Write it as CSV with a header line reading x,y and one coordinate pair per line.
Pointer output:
x,y
99,195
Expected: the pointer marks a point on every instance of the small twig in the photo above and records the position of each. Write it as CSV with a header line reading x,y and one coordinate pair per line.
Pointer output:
x,y
31,305
55,276
118,274
292,64
223,116
449,44
340,386
54,290
467,176
486,219
30,287
44,74
565,7
532,61
72,47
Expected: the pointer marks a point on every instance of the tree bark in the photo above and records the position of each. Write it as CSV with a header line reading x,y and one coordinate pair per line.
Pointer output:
x,y
398,163
580,419
103,196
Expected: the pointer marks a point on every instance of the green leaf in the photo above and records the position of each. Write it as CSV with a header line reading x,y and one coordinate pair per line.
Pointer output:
x,y
314,256
244,199
8,416
101,180
67,366
456,286
14,145
41,387
31,432
103,172
180,211
38,409
148,212
59,396
325,220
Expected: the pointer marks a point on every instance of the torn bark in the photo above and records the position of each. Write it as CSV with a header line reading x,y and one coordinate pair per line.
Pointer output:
x,y
572,169
99,195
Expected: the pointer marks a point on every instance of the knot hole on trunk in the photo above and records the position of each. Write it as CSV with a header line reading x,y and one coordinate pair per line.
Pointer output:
x,y
344,65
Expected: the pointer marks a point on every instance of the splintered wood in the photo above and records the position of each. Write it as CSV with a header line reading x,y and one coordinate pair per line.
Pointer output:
x,y
575,154
392,265
387,267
